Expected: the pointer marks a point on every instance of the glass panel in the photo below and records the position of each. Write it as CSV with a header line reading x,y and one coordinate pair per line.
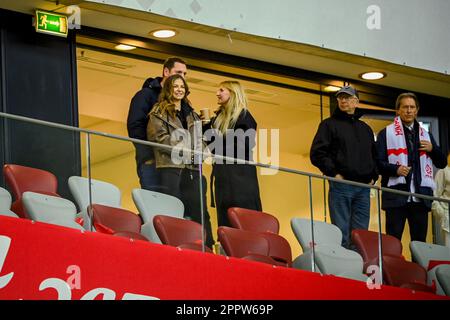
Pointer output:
x,y
107,82
41,159
285,195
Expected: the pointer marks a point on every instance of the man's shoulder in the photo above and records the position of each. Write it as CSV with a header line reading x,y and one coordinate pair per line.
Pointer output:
x,y
152,83
147,93
330,121
365,125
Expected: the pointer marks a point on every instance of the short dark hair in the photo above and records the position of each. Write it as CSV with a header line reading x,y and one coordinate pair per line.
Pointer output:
x,y
406,95
170,62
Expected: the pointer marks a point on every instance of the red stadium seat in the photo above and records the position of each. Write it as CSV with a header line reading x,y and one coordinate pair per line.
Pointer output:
x,y
367,244
111,220
178,232
400,273
21,179
244,244
252,220
266,224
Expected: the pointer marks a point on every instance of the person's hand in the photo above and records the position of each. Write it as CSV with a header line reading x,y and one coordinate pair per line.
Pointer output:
x,y
202,116
425,146
403,171
339,176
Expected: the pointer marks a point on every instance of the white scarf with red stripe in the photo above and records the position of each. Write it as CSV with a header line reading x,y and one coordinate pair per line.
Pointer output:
x,y
398,154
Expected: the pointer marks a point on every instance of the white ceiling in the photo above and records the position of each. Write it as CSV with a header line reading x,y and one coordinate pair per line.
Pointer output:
x,y
107,82
263,49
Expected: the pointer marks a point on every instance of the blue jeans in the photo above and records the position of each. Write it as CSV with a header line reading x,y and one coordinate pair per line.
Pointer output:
x,y
349,209
148,176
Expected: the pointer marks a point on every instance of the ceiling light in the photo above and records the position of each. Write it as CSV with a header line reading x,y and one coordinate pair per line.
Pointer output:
x,y
374,75
124,47
163,33
331,89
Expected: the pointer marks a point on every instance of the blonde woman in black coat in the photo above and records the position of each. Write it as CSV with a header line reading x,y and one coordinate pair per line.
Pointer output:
x,y
235,184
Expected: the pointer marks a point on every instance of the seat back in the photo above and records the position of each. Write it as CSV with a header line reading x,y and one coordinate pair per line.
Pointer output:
x,y
367,244
443,277
111,220
177,231
399,272
150,204
252,220
324,233
423,253
240,243
5,199
5,204
21,179
337,260
279,248
104,193
45,208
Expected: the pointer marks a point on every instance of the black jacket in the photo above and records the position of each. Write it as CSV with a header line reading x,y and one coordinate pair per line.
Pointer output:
x,y
345,145
386,169
236,185
242,146
141,105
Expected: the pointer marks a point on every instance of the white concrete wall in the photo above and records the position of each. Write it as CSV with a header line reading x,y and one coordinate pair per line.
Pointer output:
x,y
407,32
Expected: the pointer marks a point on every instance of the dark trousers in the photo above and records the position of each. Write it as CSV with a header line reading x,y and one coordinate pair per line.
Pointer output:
x,y
185,185
349,209
148,176
235,185
417,215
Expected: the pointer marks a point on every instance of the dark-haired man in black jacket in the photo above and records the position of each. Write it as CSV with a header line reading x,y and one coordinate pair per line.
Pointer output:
x,y
344,148
141,105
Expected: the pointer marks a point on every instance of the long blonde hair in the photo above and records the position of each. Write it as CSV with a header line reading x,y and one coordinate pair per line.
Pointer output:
x,y
165,100
229,113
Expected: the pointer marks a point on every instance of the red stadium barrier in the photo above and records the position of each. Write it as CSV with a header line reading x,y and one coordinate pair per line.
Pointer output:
x,y
42,261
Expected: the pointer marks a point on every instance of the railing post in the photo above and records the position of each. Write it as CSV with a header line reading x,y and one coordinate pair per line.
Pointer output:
x,y
88,168
324,201
202,213
313,260
380,245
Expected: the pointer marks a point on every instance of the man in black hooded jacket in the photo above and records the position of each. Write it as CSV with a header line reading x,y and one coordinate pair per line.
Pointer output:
x,y
141,105
344,148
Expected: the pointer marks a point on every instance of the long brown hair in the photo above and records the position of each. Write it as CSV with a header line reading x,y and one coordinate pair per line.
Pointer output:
x,y
165,101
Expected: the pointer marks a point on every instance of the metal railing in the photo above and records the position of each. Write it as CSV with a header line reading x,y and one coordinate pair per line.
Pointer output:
x,y
205,155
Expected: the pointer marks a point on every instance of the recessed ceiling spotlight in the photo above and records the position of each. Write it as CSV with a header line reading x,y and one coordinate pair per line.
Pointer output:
x,y
124,47
163,33
331,89
373,75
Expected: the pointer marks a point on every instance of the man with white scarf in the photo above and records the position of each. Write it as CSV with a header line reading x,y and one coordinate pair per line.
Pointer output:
x,y
406,153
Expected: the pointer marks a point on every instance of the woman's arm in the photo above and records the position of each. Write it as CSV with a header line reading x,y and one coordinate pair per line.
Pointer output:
x,y
157,130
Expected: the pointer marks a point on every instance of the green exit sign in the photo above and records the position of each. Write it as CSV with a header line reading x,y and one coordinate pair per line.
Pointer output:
x,y
51,23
